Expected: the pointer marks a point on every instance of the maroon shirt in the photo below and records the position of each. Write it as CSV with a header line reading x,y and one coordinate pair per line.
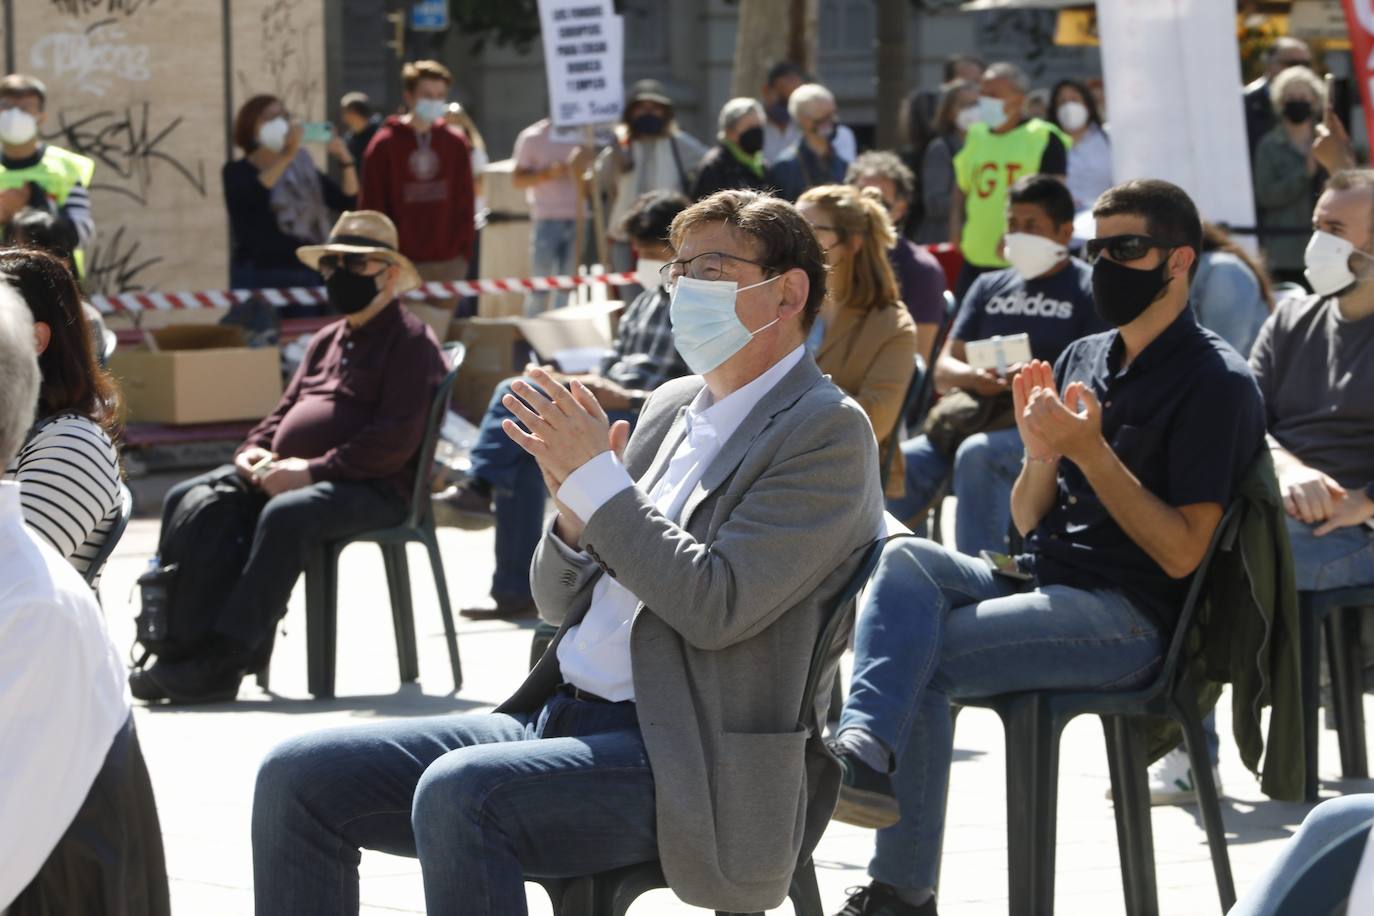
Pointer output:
x,y
357,406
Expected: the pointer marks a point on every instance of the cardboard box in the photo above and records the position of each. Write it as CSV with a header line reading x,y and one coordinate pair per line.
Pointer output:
x,y
198,374
496,350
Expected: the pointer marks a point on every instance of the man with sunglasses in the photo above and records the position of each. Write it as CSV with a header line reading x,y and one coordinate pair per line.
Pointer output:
x,y
336,457
1134,445
692,569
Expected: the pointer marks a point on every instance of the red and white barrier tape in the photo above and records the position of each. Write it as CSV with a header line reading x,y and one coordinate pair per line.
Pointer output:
x,y
302,295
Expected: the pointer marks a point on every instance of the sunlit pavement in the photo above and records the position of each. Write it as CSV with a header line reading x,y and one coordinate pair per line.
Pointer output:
x,y
203,761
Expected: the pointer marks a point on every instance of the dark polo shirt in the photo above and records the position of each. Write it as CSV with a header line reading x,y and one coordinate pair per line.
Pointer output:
x,y
1186,418
357,406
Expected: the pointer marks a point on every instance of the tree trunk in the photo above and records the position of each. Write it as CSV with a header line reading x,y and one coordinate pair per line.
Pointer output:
x,y
891,88
771,31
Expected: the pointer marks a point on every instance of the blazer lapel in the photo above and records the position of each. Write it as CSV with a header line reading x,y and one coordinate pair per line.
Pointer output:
x,y
676,432
784,394
847,321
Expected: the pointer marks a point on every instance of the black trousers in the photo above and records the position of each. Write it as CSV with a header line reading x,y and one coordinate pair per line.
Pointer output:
x,y
289,528
109,862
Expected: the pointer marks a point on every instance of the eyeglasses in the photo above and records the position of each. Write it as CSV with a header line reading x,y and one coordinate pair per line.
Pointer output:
x,y
353,263
1123,247
709,265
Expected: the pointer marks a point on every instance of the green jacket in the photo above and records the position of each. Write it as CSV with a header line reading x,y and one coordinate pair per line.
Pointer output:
x,y
1245,633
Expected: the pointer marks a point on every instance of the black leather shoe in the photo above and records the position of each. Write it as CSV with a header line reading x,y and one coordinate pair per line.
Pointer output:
x,y
145,688
508,607
867,798
881,900
212,676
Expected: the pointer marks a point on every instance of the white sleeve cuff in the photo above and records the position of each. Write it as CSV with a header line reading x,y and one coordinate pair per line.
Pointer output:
x,y
593,484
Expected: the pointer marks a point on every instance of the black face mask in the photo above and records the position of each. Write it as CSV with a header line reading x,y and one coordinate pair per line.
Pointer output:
x,y
647,125
1121,293
751,141
1297,111
349,292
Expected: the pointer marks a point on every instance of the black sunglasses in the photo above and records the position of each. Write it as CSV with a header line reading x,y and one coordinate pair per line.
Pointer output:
x,y
1123,247
353,263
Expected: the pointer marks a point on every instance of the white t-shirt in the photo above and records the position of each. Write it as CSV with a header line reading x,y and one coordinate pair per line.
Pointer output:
x,y
63,697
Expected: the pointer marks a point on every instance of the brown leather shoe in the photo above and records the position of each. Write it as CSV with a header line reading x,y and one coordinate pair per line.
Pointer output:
x,y
508,607
465,505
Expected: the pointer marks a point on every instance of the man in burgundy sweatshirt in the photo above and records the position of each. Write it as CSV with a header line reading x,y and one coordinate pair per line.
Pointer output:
x,y
418,171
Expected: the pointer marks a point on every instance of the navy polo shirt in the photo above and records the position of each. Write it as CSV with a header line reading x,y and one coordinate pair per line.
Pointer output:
x,y
1186,418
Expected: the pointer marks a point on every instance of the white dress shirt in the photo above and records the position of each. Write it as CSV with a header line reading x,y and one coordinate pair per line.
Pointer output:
x,y
594,655
62,696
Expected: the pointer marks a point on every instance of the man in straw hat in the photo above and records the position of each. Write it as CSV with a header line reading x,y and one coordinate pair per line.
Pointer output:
x,y
335,458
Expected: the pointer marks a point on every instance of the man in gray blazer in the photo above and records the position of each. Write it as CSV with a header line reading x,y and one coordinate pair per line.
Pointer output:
x,y
692,568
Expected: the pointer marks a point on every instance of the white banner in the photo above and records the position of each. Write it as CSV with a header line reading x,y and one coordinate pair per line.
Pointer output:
x,y
584,58
1174,100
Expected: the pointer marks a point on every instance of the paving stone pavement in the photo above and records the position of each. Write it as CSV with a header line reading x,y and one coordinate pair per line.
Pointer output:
x,y
203,761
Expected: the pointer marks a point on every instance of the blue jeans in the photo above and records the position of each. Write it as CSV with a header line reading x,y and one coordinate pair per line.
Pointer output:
x,y
937,626
482,800
1345,557
518,490
984,467
551,254
1324,824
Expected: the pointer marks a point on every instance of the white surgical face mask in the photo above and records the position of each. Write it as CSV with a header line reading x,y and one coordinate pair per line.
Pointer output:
x,y
1328,263
706,330
272,134
967,117
992,111
1032,255
17,126
1073,115
430,110
647,273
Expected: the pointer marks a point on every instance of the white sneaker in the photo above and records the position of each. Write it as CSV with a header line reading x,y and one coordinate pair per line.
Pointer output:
x,y
1171,780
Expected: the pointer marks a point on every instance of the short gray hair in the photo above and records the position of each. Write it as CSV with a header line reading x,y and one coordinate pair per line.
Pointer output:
x,y
736,110
882,164
1302,76
19,376
806,95
1003,70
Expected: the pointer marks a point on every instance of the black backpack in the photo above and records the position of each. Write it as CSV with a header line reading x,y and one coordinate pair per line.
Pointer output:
x,y
202,551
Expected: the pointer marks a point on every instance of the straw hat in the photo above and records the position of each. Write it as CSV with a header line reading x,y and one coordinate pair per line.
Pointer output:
x,y
363,232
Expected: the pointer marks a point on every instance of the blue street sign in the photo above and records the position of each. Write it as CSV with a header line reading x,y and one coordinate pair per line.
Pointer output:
x,y
429,16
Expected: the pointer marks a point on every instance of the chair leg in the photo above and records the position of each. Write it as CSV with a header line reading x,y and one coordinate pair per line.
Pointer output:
x,y
436,563
1209,803
575,898
402,610
1131,799
1310,646
805,892
836,698
1347,688
321,620
1033,780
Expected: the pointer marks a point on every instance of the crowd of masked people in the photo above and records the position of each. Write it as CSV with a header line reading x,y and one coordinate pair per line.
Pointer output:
x,y
715,484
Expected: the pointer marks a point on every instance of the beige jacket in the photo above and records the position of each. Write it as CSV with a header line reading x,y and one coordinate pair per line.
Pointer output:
x,y
732,603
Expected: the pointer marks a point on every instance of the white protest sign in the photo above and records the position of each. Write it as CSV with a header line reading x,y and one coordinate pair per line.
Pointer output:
x,y
583,56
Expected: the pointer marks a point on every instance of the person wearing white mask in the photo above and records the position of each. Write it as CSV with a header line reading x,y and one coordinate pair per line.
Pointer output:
x,y
957,112
503,484
1046,295
693,565
1314,361
37,174
278,200
1001,148
418,171
1073,109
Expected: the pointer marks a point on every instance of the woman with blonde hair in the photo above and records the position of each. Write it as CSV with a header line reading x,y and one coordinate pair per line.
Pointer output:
x,y
864,338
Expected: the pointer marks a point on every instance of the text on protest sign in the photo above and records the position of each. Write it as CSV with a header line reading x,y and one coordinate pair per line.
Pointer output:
x,y
583,48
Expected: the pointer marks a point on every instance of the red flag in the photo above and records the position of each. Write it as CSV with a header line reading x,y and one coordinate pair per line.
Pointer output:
x,y
1359,23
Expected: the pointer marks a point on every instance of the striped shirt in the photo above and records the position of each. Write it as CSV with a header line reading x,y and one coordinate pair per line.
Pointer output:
x,y
68,476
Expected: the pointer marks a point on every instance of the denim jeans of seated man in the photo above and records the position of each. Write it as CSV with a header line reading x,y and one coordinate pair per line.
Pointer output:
x,y
551,255
482,800
937,626
985,467
518,491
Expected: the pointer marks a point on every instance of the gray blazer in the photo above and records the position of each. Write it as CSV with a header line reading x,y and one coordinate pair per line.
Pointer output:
x,y
732,603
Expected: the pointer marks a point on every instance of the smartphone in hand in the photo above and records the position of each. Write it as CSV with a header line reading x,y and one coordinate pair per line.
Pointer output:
x,y
317,132
1004,565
